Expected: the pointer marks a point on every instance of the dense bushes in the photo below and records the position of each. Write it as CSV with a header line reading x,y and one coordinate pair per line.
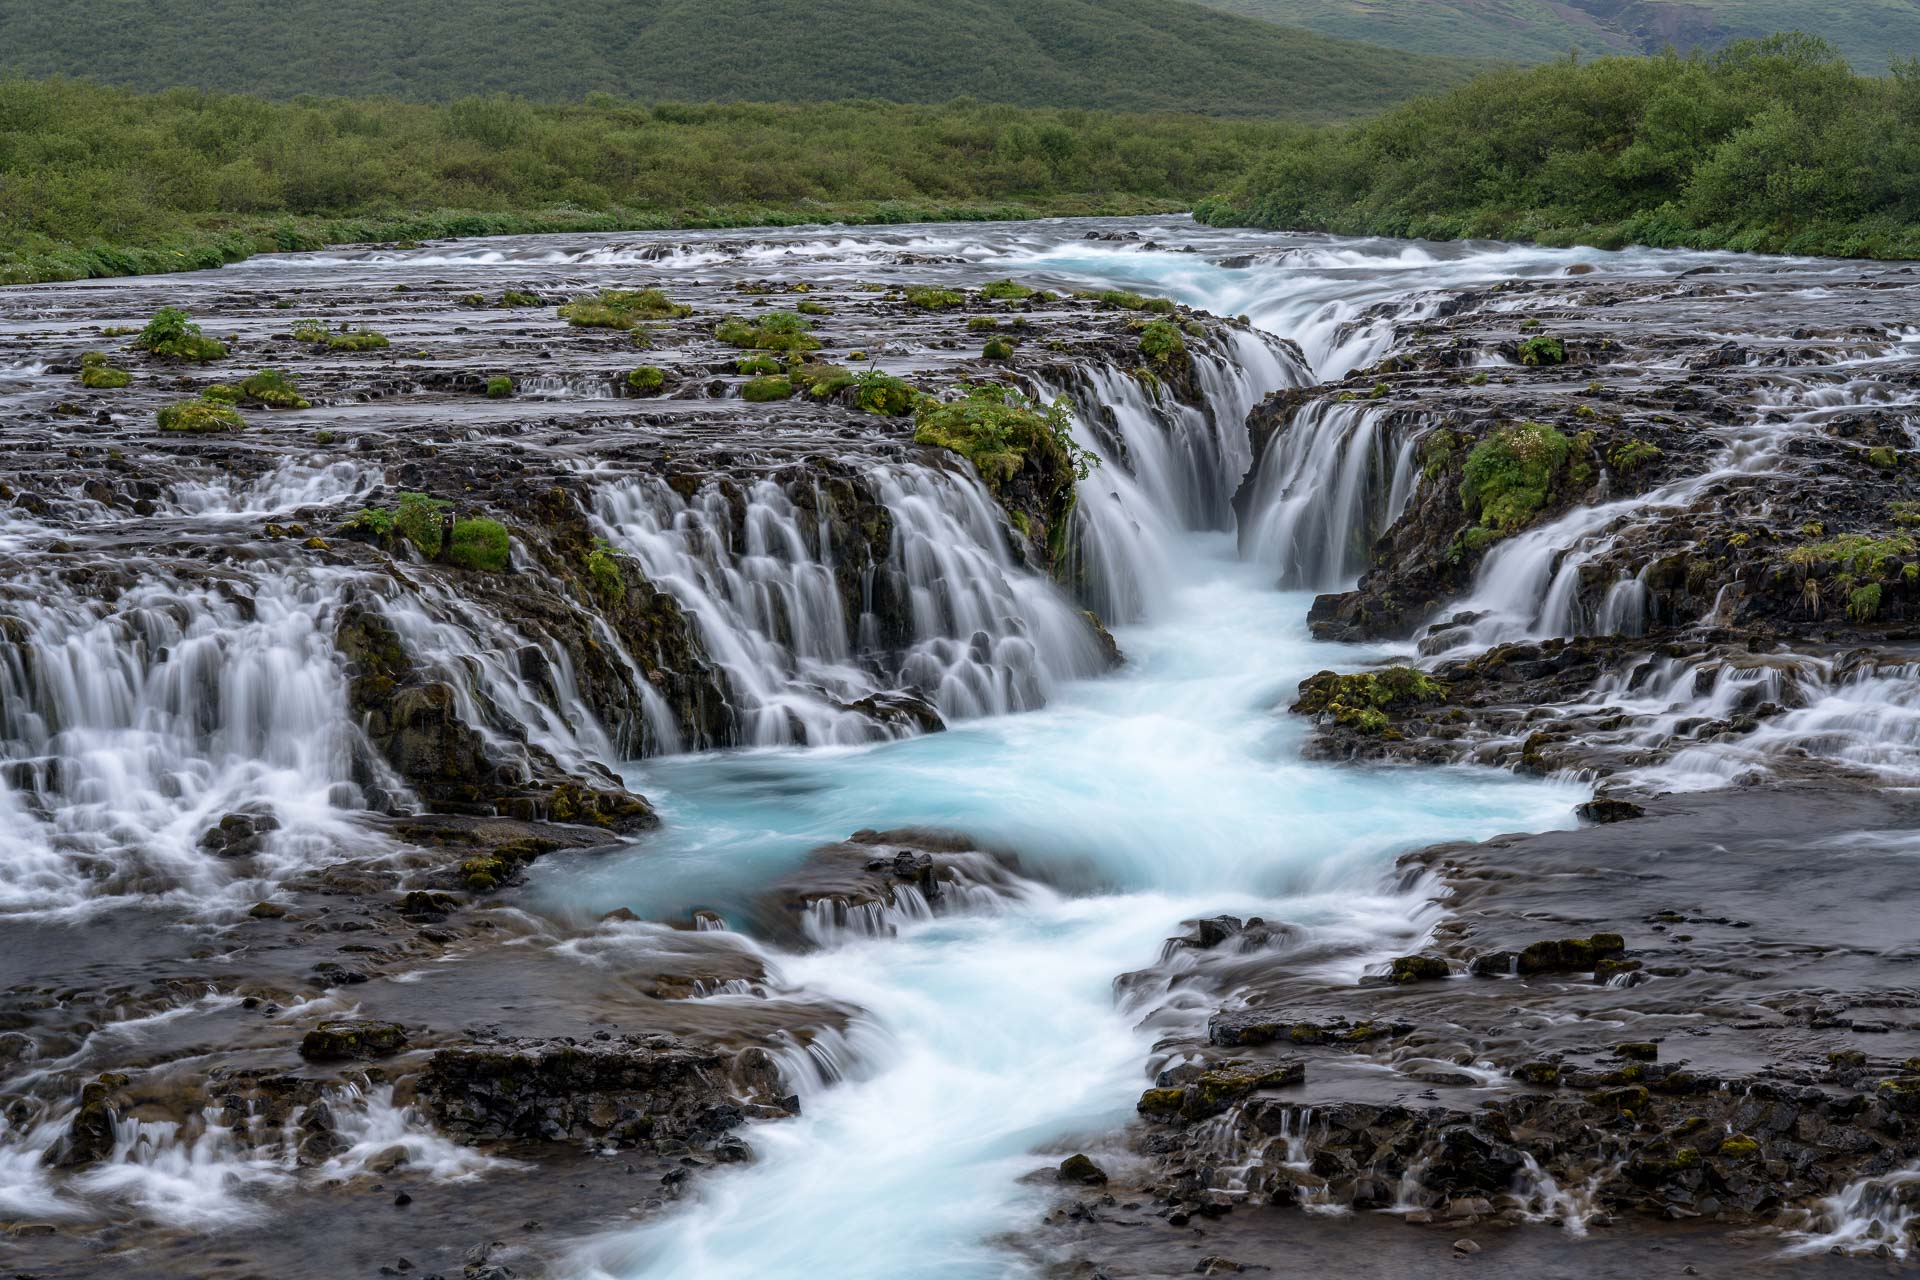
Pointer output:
x,y
97,182
1768,145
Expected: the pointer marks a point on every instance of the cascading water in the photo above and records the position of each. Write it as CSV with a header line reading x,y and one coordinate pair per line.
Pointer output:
x,y
988,1040
1331,484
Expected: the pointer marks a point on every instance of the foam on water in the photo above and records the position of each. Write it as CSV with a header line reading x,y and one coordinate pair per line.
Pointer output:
x,y
1169,793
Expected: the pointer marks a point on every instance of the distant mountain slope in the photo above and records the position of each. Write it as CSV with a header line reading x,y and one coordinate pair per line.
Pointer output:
x,y
1869,32
1143,55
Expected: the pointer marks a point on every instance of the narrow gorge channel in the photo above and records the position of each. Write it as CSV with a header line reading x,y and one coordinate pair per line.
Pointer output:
x,y
820,845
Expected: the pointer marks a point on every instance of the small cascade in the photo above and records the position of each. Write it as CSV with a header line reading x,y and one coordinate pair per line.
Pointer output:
x,y
368,1124
941,612
1541,1199
517,692
199,1174
1879,1215
286,487
131,725
1325,489
1165,466
828,921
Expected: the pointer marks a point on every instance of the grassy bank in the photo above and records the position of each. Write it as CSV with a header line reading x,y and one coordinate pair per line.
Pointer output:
x,y
97,181
1771,146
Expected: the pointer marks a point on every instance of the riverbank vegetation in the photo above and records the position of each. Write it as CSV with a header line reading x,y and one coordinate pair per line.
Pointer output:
x,y
99,182
1771,145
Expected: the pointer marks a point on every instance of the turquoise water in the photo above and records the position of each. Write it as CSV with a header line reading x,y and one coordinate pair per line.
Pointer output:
x,y
1170,790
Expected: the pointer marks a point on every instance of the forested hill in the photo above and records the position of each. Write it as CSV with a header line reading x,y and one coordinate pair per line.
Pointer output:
x,y
1136,55
1870,33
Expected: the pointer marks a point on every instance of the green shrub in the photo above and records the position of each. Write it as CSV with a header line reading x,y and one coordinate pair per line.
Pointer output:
x,y
171,335
516,298
222,393
1535,352
646,378
1161,343
757,364
622,309
982,324
1509,476
274,389
200,416
1863,603
478,544
422,521
760,390
812,373
811,308
1006,291
997,349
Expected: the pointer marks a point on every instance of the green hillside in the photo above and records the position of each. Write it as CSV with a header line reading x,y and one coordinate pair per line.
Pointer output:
x,y
1869,32
1771,145
1132,55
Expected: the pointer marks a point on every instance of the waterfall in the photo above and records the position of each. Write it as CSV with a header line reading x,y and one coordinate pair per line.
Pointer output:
x,y
131,724
946,614
1326,487
1165,466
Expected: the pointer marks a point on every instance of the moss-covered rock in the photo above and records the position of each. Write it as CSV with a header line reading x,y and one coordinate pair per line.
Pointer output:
x,y
200,417
622,309
342,1041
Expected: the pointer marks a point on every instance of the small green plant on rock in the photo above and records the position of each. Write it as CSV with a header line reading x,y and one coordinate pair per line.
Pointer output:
x,y
200,417
757,365
1863,603
273,389
929,299
499,387
603,570
97,375
517,298
1161,343
479,544
1362,700
314,333
646,379
622,309
1005,291
812,308
761,390
1536,352
1631,455
1883,458
1509,476
997,349
171,335
995,428
778,331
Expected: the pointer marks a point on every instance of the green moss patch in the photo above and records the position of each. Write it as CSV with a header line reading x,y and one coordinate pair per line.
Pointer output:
x,y
478,544
200,417
622,309
646,379
1510,475
1537,352
761,390
314,333
778,331
995,428
1362,701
